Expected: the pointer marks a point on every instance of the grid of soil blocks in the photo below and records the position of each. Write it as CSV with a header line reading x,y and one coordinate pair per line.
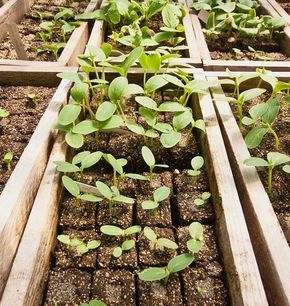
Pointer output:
x,y
25,106
75,278
30,30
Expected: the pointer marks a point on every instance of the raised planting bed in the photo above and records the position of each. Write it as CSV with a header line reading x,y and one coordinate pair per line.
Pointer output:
x,y
264,206
43,33
224,269
28,114
282,7
164,35
257,42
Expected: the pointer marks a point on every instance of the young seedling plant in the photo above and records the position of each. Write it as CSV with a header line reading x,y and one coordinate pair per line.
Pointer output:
x,y
158,243
196,164
176,264
127,244
78,245
3,113
202,199
112,195
159,195
274,159
194,245
7,159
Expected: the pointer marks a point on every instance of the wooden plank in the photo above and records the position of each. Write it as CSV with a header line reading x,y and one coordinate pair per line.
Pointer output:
x,y
270,246
17,197
26,278
279,9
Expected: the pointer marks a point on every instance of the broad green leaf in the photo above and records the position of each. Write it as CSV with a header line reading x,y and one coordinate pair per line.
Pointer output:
x,y
199,202
286,168
153,274
3,113
111,230
256,161
163,127
90,197
135,127
149,234
79,92
85,127
74,140
91,159
173,80
132,230
136,176
196,230
205,195
148,156
104,190
97,52
272,111
182,120
148,115
76,241
123,199
161,194
66,167
105,111
128,245
71,186
251,94
93,244
69,114
64,239
82,249
171,139
71,76
197,162
132,58
151,133
167,243
149,204
180,262
147,102
114,122
194,246
117,252
255,136
200,124
77,159
154,61
117,88
154,83
276,158
171,107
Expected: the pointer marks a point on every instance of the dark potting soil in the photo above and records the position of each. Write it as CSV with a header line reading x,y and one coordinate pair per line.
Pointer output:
x,y
29,27
17,129
280,195
285,5
114,280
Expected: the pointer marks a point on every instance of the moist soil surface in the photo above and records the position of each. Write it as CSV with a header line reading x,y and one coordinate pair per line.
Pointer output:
x,y
29,29
280,194
17,129
115,280
285,4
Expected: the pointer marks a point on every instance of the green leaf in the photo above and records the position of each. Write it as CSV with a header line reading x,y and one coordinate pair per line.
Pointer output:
x,y
77,159
82,249
286,168
199,124
251,94
69,114
154,83
148,115
3,113
256,161
66,167
132,230
197,162
205,195
153,274
182,120
194,246
105,111
171,107
135,127
112,123
149,204
147,102
133,89
199,202
170,139
76,241
255,136
276,158
71,186
117,88
123,199
148,156
161,194
90,198
163,127
91,159
85,127
111,230
272,111
104,190
64,239
93,244
132,58
136,176
74,140
167,243
79,92
149,234
193,172
71,76
195,230
117,252
180,262
128,245
173,80
154,62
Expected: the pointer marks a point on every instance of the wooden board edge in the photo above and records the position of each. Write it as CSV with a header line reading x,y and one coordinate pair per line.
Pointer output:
x,y
21,188
279,9
270,246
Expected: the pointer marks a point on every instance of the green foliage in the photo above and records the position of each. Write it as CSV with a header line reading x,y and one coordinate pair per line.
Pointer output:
x,y
159,195
196,163
3,113
94,303
202,199
194,245
158,243
7,159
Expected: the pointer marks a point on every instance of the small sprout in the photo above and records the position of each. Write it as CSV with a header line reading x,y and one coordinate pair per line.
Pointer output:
x,y
150,161
159,195
274,159
201,290
3,113
158,243
78,245
127,244
202,200
94,302
32,98
7,159
194,245
54,48
196,163
176,264
112,195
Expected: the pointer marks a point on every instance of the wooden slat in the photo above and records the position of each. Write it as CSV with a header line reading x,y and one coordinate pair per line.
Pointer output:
x,y
17,197
25,280
270,246
279,9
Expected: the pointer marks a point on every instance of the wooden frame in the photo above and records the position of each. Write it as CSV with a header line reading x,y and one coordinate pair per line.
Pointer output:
x,y
219,65
279,9
98,33
31,265
14,10
19,192
270,246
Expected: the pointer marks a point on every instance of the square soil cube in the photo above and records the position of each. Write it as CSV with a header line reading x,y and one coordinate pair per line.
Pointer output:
x,y
128,259
160,216
68,287
128,187
188,211
183,182
77,214
158,257
64,258
114,287
122,214
203,289
159,294
93,143
158,180
209,250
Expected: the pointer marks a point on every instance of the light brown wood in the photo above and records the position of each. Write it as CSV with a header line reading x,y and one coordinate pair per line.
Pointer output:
x,y
270,246
242,272
278,8
17,197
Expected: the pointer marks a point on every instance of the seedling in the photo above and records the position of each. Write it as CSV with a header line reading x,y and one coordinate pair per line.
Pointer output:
x,y
94,303
86,159
202,199
32,98
3,113
55,48
127,244
196,164
112,195
159,195
7,159
176,264
194,245
158,243
274,159
73,188
78,245
150,161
